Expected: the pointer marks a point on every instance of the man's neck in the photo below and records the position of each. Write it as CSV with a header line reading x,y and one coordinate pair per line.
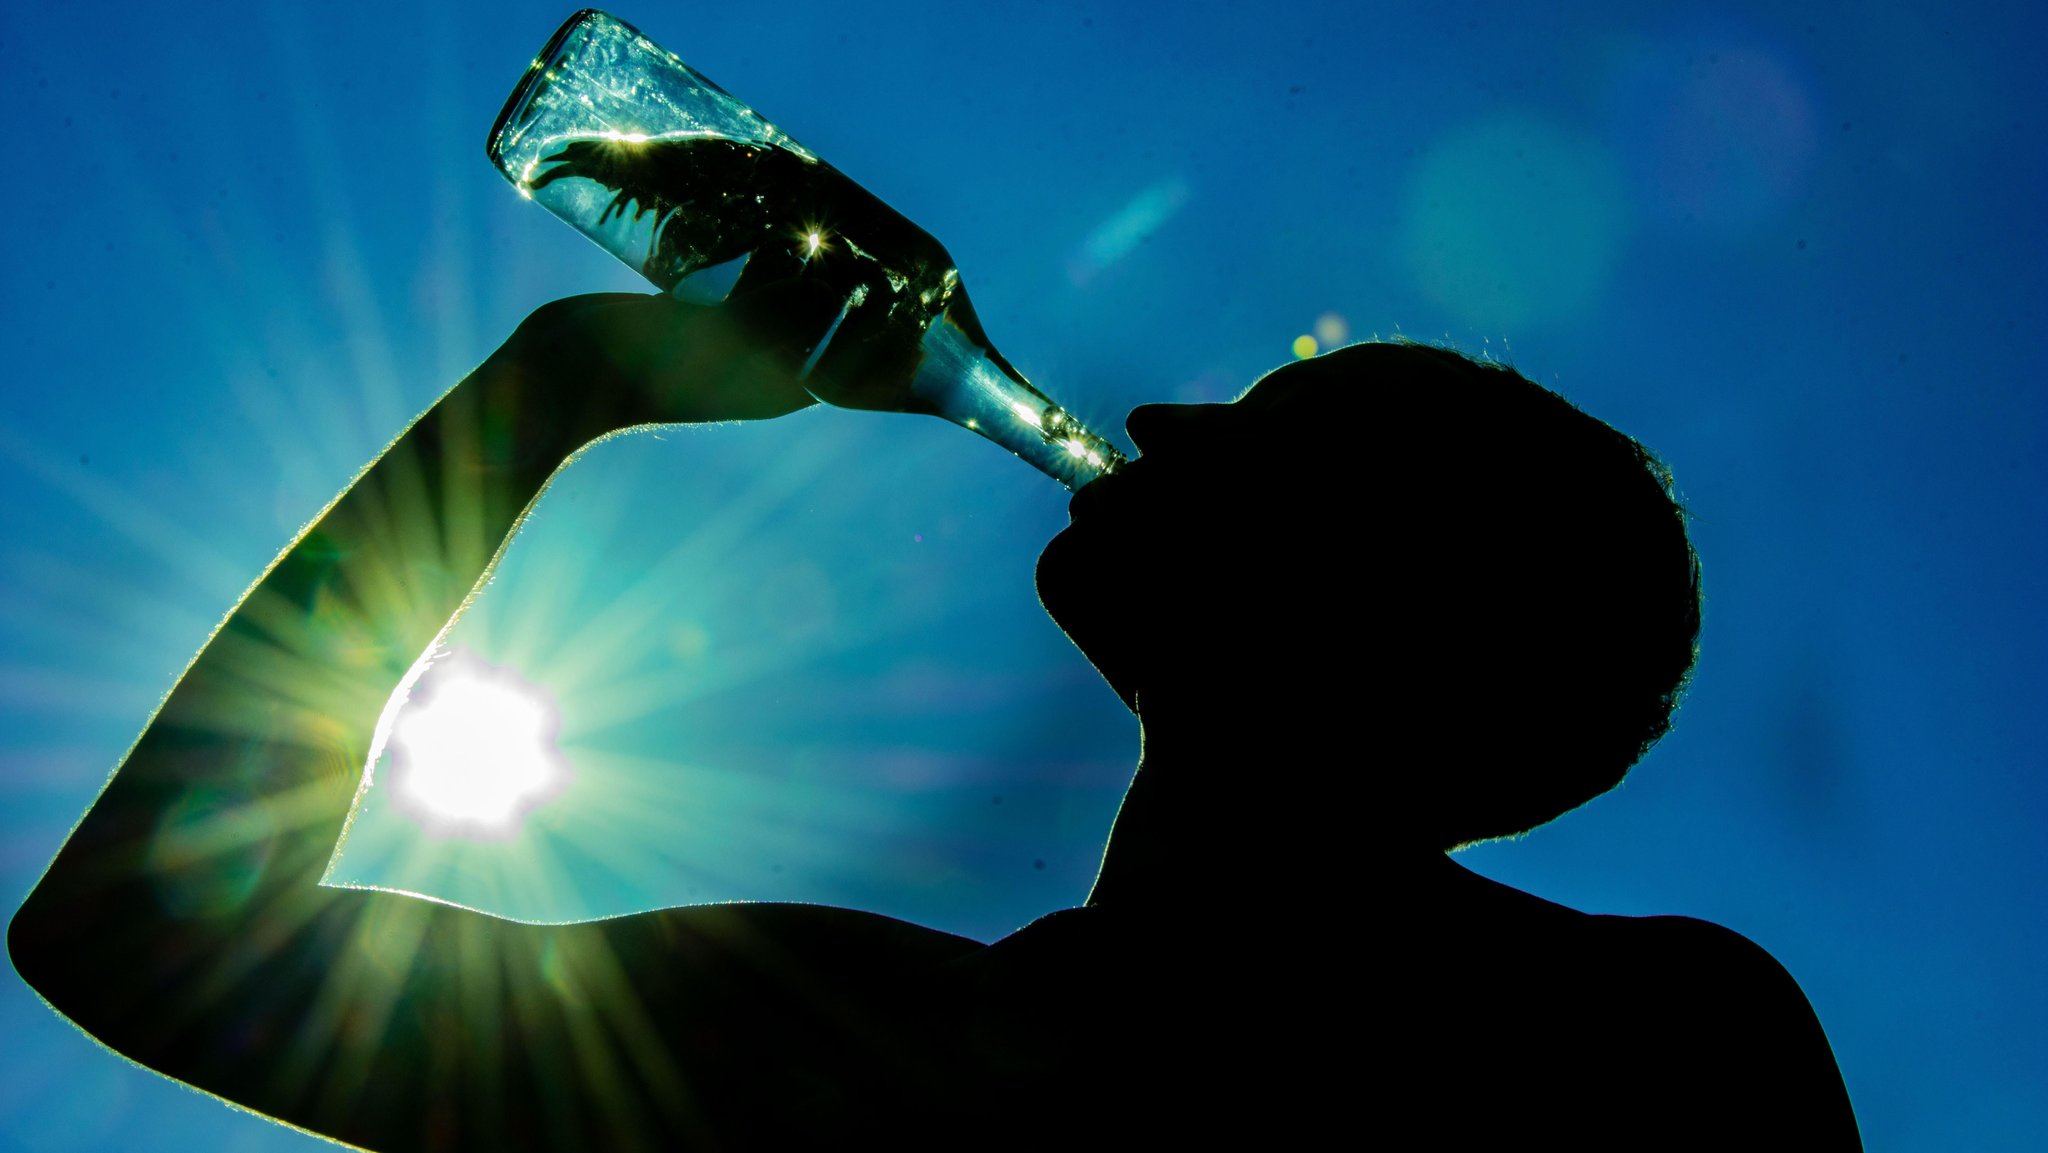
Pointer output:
x,y
1234,806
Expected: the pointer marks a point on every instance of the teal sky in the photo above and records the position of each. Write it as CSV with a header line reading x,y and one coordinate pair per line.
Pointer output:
x,y
1796,249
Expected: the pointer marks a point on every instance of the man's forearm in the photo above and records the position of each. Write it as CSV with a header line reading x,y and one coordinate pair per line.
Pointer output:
x,y
220,820
184,925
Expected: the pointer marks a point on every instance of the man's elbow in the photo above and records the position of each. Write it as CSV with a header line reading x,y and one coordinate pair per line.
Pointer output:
x,y
54,951
35,947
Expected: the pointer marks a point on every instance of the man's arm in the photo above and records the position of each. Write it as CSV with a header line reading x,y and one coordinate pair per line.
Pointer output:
x,y
184,923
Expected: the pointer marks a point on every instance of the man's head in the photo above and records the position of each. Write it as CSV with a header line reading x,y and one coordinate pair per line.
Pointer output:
x,y
1432,564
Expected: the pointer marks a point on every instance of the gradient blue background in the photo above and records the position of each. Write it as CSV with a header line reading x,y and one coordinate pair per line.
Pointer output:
x,y
1797,249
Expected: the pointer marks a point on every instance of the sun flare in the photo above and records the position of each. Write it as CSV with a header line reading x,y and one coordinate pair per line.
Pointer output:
x,y
473,748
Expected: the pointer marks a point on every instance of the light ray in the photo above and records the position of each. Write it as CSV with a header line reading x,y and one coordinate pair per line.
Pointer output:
x,y
373,368
182,551
581,659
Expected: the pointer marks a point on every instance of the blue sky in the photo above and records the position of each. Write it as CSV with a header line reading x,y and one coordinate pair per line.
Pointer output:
x,y
1796,249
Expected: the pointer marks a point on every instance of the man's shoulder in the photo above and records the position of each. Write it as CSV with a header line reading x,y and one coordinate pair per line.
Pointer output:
x,y
1701,962
1668,948
1737,1026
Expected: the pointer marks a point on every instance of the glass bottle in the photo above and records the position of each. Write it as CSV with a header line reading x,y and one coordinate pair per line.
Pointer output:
x,y
669,173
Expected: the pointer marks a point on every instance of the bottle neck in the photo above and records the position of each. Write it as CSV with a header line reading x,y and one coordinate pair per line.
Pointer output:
x,y
964,379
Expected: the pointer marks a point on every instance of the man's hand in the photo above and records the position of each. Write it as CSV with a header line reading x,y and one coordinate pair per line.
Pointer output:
x,y
650,359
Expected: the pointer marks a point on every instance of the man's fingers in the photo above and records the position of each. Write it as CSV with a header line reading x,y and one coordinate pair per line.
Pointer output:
x,y
668,361
791,314
696,363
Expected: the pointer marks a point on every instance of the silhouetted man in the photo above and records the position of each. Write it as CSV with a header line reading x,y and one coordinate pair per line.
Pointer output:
x,y
1388,602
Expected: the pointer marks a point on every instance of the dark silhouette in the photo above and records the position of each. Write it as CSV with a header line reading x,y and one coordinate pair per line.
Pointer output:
x,y
1388,602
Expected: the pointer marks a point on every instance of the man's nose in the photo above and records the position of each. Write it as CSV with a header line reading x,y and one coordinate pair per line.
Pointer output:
x,y
1154,426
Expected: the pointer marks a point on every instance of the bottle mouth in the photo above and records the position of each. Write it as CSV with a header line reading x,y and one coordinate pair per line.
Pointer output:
x,y
511,122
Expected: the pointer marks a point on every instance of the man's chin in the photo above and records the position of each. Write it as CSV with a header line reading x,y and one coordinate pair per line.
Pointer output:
x,y
1080,593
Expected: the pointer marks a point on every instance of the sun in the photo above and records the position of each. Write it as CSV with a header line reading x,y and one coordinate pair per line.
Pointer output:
x,y
473,748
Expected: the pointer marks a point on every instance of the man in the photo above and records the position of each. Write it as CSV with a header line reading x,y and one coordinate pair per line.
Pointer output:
x,y
1387,603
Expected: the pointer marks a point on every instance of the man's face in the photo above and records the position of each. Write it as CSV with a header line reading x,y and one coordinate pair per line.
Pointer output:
x,y
1144,565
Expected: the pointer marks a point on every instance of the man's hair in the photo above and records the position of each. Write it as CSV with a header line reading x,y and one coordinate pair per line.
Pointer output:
x,y
1531,603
